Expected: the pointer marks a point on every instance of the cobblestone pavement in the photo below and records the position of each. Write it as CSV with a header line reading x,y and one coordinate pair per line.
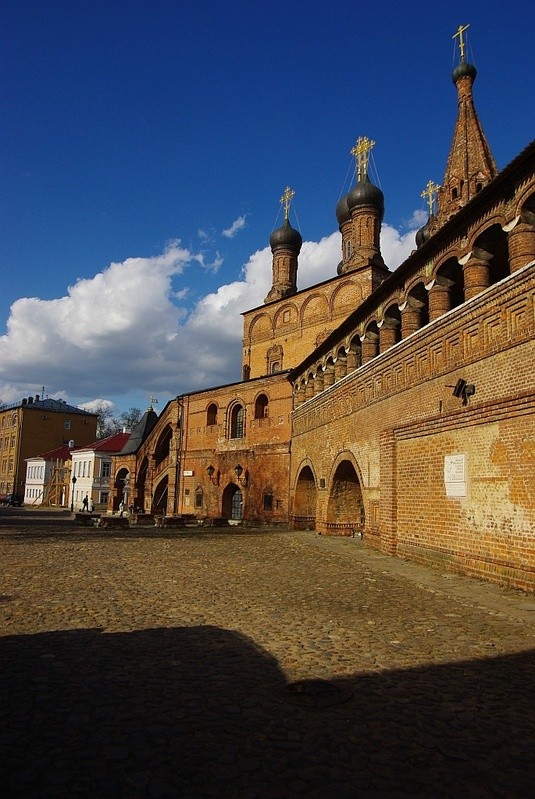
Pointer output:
x,y
241,663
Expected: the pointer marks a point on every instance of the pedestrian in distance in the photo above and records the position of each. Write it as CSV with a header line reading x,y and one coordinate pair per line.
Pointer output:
x,y
85,504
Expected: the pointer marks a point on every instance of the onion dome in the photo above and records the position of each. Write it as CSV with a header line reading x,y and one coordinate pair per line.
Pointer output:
x,y
285,237
343,214
423,234
365,193
462,70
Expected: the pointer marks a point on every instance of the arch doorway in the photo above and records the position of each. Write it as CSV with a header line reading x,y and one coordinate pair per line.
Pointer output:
x,y
304,515
159,501
345,510
121,489
232,506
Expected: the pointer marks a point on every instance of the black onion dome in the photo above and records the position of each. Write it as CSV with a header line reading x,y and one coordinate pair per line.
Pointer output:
x,y
286,236
343,214
463,69
365,193
423,235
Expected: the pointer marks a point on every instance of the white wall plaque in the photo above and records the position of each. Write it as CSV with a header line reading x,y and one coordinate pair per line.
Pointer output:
x,y
187,473
455,475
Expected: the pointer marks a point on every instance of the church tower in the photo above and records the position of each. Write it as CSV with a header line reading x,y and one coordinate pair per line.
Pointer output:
x,y
359,215
285,243
471,165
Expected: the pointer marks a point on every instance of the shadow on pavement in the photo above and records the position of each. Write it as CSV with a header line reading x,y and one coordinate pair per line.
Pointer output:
x,y
203,711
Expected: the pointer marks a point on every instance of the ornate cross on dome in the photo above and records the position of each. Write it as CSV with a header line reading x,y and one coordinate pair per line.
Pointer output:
x,y
429,193
461,29
286,200
361,151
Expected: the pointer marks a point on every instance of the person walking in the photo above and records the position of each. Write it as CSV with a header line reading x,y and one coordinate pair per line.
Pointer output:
x,y
85,504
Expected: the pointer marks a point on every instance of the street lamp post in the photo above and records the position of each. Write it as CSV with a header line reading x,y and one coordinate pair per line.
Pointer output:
x,y
72,494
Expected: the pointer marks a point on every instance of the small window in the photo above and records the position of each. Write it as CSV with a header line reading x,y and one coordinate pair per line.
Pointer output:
x,y
67,424
261,407
237,418
106,468
199,497
275,367
268,502
286,315
211,414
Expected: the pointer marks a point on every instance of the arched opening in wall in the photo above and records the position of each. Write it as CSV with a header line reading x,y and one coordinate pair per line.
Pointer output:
x,y
390,328
237,421
261,406
528,210
161,492
354,354
345,509
451,272
199,498
163,447
305,501
141,483
211,414
232,502
493,242
370,342
420,299
121,489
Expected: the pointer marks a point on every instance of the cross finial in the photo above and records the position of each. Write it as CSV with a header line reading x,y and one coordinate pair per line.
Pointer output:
x,y
459,32
361,151
429,193
286,200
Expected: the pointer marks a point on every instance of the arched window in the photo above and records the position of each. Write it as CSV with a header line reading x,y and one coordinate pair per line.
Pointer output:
x,y
199,497
261,407
211,414
237,418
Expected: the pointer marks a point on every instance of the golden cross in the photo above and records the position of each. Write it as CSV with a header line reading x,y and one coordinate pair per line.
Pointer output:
x,y
429,194
459,33
286,199
361,151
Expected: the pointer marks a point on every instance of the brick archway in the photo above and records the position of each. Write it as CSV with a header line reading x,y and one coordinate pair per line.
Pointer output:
x,y
305,500
345,508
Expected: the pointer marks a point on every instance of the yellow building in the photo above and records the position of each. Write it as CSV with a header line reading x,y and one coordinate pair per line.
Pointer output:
x,y
33,426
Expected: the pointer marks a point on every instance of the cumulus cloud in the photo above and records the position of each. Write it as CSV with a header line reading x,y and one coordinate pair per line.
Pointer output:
x,y
236,226
127,329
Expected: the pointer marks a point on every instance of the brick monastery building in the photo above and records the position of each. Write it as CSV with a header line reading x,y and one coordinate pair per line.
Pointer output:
x,y
396,404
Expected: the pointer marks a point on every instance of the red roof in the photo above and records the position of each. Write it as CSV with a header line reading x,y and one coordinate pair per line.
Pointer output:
x,y
113,443
62,453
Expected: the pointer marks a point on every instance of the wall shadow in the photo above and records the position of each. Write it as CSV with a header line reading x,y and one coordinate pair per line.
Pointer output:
x,y
204,712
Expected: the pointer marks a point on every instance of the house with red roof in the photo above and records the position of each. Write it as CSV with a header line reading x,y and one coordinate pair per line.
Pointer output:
x,y
92,470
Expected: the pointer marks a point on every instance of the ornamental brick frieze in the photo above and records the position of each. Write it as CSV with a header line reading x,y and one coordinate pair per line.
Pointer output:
x,y
470,338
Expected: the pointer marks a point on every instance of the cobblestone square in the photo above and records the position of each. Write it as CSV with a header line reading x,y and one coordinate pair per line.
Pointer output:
x,y
244,663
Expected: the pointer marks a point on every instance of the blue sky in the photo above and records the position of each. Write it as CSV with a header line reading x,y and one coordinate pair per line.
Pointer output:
x,y
145,146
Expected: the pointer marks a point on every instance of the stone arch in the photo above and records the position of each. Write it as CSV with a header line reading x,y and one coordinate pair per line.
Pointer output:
x,y
160,496
121,488
390,327
305,499
491,246
415,309
346,297
315,308
370,342
141,484
345,508
163,445
260,328
449,282
283,318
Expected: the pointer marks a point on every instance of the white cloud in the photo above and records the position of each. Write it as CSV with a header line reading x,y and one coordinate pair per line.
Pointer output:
x,y
125,330
236,226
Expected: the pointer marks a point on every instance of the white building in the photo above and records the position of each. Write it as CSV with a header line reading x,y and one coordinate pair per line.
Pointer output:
x,y
47,477
92,469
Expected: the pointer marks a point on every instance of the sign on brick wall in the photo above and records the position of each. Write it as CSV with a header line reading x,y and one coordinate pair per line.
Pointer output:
x,y
455,475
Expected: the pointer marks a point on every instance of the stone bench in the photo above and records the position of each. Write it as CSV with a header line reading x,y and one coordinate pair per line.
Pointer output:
x,y
113,521
86,519
170,521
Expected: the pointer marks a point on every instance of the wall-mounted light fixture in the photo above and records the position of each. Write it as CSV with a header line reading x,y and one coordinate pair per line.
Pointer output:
x,y
238,471
463,390
213,475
